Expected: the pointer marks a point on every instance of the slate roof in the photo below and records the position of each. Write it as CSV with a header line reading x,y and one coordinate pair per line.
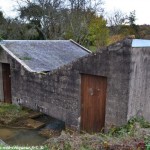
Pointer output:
x,y
44,55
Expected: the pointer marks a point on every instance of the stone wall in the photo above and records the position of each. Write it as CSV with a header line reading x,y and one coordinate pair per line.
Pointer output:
x,y
54,94
4,58
113,63
58,93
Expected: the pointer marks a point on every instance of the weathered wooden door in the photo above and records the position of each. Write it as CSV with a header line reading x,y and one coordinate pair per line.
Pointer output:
x,y
93,98
6,83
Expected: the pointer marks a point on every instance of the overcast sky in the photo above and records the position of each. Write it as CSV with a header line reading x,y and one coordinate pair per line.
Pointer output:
x,y
142,8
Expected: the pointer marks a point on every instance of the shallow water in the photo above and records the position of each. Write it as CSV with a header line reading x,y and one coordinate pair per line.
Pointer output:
x,y
51,123
21,137
27,137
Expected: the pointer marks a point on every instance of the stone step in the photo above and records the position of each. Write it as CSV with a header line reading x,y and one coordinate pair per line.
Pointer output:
x,y
35,115
33,124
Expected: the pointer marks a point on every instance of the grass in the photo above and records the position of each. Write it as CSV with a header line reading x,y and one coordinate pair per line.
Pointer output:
x,y
92,48
10,113
26,58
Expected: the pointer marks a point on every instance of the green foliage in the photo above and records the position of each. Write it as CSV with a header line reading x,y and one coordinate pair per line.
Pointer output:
x,y
132,18
86,147
67,146
39,20
98,32
5,107
143,123
133,135
31,12
147,140
124,25
92,48
134,29
129,128
148,147
1,38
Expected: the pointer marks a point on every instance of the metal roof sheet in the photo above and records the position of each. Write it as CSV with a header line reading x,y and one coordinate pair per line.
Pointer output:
x,y
45,55
140,43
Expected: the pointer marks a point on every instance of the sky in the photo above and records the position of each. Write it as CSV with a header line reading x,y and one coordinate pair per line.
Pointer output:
x,y
141,7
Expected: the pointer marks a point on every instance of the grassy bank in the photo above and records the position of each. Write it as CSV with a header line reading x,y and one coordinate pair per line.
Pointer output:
x,y
10,113
134,135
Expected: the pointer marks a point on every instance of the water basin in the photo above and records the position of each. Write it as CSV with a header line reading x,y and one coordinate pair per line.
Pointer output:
x,y
21,137
30,137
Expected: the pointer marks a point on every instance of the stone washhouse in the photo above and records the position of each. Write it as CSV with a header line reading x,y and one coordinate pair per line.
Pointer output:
x,y
88,91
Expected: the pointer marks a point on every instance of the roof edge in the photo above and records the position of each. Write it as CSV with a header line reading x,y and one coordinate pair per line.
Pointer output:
x,y
80,46
17,59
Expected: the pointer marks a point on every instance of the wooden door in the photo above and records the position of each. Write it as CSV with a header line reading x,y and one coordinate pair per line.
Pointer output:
x,y
6,83
93,98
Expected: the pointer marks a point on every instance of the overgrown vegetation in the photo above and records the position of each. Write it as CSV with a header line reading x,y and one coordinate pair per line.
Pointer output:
x,y
10,112
130,128
134,135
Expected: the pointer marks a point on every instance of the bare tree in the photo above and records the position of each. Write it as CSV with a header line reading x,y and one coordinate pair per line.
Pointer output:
x,y
115,20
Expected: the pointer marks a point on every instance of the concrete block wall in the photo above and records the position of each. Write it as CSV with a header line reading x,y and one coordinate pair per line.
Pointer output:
x,y
139,96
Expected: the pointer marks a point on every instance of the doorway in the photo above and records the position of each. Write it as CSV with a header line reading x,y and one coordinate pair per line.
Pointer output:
x,y
93,101
6,82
